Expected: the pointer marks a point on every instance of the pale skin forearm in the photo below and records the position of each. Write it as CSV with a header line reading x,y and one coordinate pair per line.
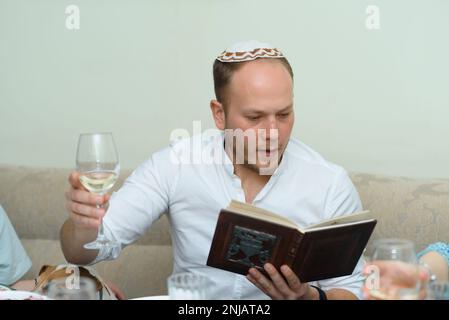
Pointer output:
x,y
73,240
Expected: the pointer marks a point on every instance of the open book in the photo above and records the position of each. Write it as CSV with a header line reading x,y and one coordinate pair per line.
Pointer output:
x,y
247,236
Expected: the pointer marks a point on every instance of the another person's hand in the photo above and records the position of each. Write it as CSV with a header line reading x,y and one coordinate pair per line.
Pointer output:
x,y
24,285
392,276
277,287
82,204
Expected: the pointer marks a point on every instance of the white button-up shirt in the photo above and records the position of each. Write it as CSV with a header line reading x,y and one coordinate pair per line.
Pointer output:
x,y
182,182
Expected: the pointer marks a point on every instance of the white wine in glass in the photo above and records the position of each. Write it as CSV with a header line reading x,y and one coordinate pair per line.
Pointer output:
x,y
98,181
98,165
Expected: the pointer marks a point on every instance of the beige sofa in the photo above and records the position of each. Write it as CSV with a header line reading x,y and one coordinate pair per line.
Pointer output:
x,y
34,200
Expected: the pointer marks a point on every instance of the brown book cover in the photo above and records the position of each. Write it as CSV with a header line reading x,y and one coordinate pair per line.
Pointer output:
x,y
247,236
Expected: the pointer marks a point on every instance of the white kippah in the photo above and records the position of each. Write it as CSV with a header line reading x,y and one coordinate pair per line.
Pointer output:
x,y
249,50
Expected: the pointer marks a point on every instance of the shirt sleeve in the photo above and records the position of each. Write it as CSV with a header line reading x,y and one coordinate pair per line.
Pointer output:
x,y
14,261
344,199
143,198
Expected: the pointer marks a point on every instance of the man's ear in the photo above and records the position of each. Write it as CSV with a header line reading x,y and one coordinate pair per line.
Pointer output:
x,y
218,114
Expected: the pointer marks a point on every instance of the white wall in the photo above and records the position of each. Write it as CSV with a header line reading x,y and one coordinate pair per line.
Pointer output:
x,y
373,101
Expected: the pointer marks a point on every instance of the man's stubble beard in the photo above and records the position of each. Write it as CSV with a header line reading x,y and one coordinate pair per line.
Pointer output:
x,y
253,166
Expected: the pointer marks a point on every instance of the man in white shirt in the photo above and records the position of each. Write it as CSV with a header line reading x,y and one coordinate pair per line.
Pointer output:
x,y
254,91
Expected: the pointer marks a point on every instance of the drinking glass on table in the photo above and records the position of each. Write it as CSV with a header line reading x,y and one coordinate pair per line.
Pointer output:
x,y
81,288
98,164
396,271
188,286
438,291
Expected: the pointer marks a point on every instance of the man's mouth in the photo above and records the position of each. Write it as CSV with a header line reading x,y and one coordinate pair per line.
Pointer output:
x,y
268,152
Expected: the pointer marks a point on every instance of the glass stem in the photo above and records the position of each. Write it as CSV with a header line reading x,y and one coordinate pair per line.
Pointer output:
x,y
100,229
100,235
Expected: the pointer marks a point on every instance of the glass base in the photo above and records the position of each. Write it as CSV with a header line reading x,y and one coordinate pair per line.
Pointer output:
x,y
101,243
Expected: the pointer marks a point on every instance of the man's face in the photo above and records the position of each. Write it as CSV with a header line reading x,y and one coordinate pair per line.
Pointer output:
x,y
260,98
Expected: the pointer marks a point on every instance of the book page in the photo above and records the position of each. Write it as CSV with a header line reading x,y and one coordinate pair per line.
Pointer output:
x,y
354,217
258,213
336,226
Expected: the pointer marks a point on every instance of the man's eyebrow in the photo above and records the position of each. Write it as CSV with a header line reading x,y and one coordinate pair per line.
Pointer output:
x,y
287,108
256,111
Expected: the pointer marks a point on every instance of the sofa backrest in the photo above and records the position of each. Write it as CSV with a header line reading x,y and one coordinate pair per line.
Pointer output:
x,y
415,209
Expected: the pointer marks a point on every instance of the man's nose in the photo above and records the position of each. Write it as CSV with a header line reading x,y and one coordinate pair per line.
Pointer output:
x,y
270,130
271,123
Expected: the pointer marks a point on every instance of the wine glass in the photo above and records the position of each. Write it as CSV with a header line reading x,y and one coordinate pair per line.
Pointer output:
x,y
396,270
98,164
188,286
438,291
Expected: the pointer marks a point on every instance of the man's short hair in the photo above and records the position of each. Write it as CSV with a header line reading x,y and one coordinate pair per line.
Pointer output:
x,y
223,72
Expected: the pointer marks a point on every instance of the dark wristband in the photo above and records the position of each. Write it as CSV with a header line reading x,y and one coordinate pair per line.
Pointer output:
x,y
321,293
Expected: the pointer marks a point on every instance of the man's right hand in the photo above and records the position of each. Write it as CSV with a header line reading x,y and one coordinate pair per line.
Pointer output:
x,y
85,209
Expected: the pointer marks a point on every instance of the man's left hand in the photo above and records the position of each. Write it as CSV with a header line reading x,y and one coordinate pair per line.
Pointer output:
x,y
277,287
